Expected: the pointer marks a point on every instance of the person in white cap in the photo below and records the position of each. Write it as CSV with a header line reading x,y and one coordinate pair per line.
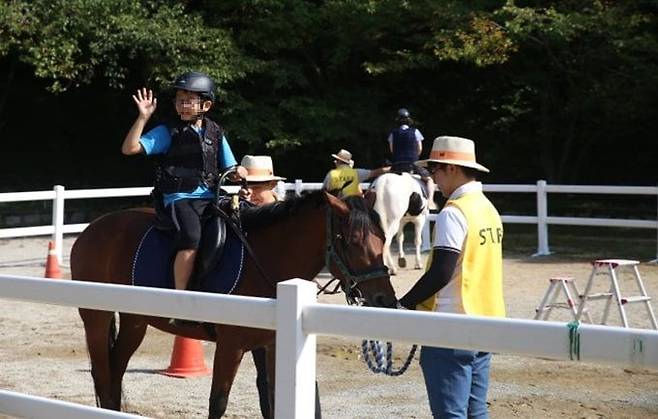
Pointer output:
x,y
464,276
344,180
260,180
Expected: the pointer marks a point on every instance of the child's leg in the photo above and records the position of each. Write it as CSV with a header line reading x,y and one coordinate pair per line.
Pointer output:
x,y
186,216
183,267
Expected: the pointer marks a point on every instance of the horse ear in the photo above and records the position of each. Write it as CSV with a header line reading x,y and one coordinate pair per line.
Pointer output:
x,y
370,196
337,204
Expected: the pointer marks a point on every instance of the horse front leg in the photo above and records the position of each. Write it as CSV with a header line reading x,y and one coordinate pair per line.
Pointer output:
x,y
388,258
225,367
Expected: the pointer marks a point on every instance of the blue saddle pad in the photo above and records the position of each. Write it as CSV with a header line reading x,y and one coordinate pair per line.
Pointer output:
x,y
153,263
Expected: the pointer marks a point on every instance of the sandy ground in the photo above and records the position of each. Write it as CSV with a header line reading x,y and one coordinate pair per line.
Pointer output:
x,y
42,352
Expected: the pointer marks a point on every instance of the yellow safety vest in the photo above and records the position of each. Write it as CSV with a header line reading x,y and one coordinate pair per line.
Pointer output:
x,y
342,174
481,259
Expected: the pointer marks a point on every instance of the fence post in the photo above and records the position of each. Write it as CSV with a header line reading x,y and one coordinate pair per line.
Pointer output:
x,y
298,187
280,189
58,221
295,352
542,226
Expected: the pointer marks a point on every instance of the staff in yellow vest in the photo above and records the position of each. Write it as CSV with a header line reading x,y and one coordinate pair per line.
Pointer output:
x,y
344,180
463,276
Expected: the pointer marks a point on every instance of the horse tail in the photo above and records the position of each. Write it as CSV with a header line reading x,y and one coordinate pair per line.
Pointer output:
x,y
416,204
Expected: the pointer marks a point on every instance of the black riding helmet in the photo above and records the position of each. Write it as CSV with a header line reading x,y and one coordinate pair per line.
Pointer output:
x,y
403,115
197,82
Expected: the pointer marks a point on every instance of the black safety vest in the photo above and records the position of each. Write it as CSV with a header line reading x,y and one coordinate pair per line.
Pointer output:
x,y
191,160
405,146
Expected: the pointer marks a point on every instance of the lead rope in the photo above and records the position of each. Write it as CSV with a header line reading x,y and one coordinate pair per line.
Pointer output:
x,y
383,364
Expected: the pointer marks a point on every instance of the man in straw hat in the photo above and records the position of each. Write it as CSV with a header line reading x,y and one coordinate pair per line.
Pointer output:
x,y
345,180
464,276
260,180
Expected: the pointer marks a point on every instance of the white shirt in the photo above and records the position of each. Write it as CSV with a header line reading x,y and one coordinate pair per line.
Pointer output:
x,y
450,233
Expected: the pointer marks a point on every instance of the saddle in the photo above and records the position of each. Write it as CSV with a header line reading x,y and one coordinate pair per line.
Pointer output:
x,y
213,236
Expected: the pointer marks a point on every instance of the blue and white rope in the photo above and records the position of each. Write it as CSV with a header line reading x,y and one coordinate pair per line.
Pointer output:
x,y
383,363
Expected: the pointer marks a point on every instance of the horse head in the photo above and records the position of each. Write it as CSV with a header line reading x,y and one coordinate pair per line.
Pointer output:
x,y
355,243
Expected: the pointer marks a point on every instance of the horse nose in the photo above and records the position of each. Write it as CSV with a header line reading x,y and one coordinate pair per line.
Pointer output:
x,y
384,300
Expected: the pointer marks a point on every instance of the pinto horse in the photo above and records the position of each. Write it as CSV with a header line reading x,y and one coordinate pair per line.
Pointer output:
x,y
400,200
295,238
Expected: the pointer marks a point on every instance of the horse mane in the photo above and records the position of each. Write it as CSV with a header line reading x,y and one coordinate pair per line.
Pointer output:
x,y
257,217
361,217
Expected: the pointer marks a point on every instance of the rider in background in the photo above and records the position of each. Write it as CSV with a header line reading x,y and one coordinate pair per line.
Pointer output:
x,y
405,143
344,180
192,151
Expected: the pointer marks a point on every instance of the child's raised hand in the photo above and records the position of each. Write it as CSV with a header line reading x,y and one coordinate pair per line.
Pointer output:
x,y
146,102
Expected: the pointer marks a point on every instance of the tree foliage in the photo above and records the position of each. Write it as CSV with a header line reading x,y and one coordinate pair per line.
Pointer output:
x,y
548,89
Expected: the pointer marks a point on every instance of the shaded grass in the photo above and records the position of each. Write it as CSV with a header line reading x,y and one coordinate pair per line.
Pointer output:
x,y
580,242
575,242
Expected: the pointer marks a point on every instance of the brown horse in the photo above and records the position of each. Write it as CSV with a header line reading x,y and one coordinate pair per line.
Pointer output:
x,y
295,238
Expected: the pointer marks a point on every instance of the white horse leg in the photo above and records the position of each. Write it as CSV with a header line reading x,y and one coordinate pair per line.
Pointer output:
x,y
419,223
388,258
402,261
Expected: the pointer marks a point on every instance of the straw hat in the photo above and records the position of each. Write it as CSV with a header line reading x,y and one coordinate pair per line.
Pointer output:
x,y
344,156
453,150
259,168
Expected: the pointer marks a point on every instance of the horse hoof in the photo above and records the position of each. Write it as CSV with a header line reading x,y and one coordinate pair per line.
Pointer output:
x,y
402,262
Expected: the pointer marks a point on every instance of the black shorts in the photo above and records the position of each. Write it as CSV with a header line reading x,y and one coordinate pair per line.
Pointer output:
x,y
186,217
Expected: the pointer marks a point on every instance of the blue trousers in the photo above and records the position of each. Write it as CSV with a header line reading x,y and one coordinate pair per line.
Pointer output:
x,y
457,381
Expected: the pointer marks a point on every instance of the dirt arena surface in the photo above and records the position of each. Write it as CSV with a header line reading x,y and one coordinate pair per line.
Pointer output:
x,y
42,352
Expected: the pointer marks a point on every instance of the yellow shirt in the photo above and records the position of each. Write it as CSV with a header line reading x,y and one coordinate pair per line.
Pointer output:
x,y
479,273
337,177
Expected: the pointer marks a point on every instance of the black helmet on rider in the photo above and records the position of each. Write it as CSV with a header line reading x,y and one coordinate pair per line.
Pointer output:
x,y
404,117
197,82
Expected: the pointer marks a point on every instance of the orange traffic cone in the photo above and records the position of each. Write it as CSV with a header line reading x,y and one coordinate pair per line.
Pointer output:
x,y
52,265
187,359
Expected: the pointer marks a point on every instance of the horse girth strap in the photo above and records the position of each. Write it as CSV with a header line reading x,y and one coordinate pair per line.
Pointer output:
x,y
331,255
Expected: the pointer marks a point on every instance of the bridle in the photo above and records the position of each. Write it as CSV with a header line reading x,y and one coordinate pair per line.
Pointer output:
x,y
352,293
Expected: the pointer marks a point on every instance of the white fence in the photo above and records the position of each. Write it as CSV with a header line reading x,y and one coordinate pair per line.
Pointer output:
x,y
58,195
298,318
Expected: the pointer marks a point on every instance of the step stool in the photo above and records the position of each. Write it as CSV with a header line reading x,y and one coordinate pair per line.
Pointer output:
x,y
567,285
609,268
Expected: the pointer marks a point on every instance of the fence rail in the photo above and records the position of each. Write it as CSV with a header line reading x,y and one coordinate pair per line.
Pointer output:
x,y
297,318
59,194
